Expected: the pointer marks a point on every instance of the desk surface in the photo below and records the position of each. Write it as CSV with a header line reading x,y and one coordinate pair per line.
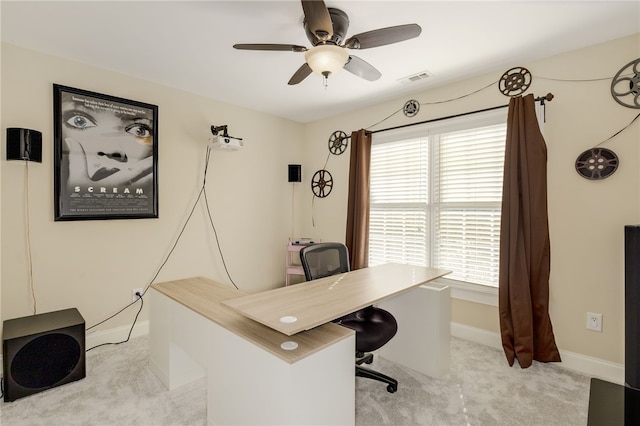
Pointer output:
x,y
304,306
204,297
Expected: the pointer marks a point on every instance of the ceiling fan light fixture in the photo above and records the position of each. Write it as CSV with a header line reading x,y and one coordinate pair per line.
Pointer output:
x,y
326,59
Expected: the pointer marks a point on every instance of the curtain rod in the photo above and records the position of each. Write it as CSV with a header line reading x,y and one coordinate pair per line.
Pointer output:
x,y
548,97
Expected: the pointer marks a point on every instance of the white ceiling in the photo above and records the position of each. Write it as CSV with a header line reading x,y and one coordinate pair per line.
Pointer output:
x,y
188,45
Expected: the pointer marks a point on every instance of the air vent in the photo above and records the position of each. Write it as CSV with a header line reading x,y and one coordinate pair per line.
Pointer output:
x,y
415,77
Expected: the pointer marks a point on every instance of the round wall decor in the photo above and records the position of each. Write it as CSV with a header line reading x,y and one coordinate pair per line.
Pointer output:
x,y
597,163
411,108
515,81
625,86
338,142
321,183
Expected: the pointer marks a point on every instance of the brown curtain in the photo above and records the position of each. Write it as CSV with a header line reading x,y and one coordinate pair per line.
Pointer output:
x,y
525,324
357,238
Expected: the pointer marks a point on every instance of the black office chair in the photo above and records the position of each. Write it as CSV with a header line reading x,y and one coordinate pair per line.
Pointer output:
x,y
374,327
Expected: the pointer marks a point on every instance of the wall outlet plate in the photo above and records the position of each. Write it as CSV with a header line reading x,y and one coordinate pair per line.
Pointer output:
x,y
134,298
594,321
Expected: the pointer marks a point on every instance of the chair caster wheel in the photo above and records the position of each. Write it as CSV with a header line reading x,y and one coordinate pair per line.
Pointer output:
x,y
368,361
392,388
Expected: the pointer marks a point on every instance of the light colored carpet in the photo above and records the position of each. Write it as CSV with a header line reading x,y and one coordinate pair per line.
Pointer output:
x,y
480,389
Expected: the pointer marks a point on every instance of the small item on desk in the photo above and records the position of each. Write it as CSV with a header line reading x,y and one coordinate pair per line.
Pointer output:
x,y
289,345
303,241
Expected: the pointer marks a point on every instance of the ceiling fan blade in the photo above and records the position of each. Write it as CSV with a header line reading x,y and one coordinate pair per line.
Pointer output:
x,y
383,36
264,46
302,73
318,18
362,68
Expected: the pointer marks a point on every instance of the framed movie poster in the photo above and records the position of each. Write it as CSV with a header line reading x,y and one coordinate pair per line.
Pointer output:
x,y
105,156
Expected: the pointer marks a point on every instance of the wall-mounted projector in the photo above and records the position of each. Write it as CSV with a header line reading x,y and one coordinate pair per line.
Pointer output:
x,y
226,143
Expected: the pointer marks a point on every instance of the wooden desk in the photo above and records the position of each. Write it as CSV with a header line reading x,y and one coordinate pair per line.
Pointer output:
x,y
293,309
421,308
251,377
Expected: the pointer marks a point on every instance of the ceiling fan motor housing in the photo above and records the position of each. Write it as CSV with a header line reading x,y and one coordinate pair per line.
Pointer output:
x,y
340,22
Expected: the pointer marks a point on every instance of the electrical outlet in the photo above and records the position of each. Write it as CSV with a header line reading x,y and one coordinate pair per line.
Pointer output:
x,y
134,298
594,321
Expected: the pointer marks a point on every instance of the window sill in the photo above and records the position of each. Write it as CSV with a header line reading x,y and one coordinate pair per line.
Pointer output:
x,y
471,292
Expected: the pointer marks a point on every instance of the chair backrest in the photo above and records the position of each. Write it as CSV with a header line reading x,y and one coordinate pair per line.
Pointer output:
x,y
324,259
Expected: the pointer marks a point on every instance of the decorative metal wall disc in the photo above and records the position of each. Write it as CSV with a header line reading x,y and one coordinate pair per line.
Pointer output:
x,y
625,86
411,108
515,81
338,142
597,163
321,183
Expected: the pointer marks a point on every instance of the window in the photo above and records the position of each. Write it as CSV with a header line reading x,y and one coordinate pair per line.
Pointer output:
x,y
436,192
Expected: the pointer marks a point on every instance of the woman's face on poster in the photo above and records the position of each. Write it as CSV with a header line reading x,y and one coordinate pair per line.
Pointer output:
x,y
110,140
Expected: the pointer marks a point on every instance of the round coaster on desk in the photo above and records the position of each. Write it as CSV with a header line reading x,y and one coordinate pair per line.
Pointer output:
x,y
289,345
288,319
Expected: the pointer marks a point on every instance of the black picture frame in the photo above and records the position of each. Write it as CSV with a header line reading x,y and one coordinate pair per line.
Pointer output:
x,y
105,156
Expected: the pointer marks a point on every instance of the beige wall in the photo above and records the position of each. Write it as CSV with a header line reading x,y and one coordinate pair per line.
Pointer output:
x,y
93,265
586,218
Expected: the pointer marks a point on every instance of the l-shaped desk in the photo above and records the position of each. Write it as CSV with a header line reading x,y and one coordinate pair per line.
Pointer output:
x,y
274,357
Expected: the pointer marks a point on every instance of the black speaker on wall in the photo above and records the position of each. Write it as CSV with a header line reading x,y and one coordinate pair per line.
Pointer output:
x,y
632,305
24,144
42,351
295,173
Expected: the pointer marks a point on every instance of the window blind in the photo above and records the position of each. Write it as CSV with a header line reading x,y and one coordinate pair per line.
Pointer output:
x,y
467,202
399,216
436,198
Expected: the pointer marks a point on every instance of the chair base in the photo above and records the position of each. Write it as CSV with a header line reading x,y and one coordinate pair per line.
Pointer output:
x,y
392,384
363,358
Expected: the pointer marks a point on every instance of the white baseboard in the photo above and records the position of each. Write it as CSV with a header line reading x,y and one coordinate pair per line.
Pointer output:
x,y
118,334
583,364
477,335
590,366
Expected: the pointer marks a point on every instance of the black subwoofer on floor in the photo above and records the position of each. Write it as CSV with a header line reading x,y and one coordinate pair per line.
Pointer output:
x,y
42,351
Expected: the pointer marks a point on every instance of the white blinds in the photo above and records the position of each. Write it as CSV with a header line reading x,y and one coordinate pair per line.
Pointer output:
x,y
399,217
435,198
467,199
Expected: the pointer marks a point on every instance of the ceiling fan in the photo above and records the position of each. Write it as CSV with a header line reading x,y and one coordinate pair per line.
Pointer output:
x,y
326,29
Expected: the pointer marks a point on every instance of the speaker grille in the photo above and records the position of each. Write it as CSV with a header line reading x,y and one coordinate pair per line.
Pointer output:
x,y
33,370
24,144
295,173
